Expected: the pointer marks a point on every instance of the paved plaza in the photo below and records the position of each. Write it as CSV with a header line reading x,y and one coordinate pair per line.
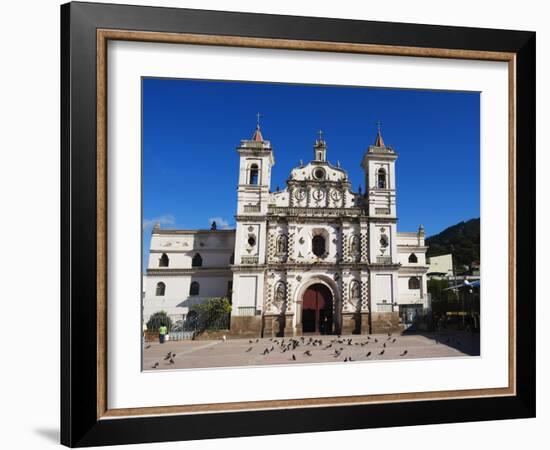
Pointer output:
x,y
188,354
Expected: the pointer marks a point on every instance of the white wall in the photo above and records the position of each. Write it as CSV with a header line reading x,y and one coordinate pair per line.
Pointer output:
x,y
407,295
214,247
32,135
382,290
403,254
176,299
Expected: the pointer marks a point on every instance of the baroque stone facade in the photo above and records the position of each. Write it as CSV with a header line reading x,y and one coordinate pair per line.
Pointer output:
x,y
314,257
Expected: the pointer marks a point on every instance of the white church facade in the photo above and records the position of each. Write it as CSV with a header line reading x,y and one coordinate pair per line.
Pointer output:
x,y
315,257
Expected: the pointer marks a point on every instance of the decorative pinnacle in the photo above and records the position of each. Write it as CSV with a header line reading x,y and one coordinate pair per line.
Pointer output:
x,y
379,142
320,142
257,136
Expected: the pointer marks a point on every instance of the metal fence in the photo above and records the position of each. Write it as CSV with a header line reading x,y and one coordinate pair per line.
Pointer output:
x,y
186,327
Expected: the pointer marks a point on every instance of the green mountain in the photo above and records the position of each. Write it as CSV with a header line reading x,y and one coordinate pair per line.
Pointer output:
x,y
462,240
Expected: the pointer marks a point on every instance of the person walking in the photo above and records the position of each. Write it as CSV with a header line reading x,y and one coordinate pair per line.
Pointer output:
x,y
162,333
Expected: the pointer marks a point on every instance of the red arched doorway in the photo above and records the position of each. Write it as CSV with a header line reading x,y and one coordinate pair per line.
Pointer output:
x,y
317,310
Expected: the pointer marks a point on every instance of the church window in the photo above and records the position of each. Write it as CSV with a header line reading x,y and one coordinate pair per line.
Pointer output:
x,y
318,245
251,241
414,283
413,258
163,261
197,260
384,241
161,288
194,289
382,179
253,176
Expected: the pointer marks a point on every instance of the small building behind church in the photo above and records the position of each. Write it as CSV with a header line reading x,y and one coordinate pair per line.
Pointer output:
x,y
441,265
313,258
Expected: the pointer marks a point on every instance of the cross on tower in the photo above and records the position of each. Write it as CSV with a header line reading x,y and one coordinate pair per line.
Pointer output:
x,y
258,115
320,132
378,124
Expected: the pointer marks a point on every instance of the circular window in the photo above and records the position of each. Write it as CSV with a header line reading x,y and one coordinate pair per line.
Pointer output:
x,y
319,173
252,241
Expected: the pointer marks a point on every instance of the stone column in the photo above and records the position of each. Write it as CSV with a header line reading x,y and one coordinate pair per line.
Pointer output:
x,y
289,308
271,243
291,243
364,232
365,309
348,315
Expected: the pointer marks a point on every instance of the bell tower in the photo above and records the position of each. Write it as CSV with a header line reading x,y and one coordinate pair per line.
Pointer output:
x,y
255,162
379,166
320,148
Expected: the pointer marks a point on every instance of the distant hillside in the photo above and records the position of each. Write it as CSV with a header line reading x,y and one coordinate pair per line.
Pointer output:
x,y
462,240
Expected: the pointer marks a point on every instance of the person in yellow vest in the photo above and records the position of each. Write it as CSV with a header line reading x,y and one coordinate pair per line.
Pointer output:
x,y
163,330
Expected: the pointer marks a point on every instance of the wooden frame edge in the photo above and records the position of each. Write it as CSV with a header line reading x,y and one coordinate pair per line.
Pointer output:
x,y
103,35
212,408
101,223
290,44
512,199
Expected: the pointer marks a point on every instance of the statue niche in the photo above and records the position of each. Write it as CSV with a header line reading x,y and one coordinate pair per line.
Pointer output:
x,y
280,295
355,293
354,245
281,244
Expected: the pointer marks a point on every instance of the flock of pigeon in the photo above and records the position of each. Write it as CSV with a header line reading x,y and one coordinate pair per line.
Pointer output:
x,y
337,346
303,347
168,357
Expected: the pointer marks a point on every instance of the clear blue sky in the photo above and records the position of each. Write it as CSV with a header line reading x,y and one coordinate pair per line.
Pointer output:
x,y
191,129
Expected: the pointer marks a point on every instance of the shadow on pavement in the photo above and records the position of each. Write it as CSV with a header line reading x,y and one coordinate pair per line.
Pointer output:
x,y
465,341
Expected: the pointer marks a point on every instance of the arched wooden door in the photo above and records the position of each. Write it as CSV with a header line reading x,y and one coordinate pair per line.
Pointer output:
x,y
317,310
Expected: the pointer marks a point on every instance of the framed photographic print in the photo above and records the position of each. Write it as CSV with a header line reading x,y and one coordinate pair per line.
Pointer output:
x,y
277,224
